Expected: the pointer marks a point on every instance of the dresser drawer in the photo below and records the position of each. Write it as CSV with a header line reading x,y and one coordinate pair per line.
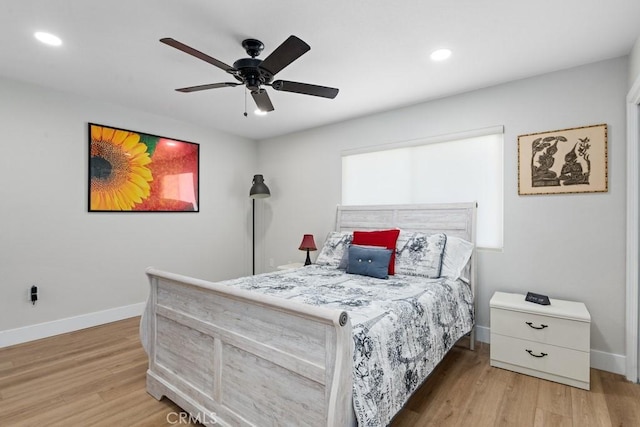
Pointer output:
x,y
557,331
554,360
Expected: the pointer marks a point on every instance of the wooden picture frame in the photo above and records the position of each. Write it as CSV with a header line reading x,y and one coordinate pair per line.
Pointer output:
x,y
563,161
132,171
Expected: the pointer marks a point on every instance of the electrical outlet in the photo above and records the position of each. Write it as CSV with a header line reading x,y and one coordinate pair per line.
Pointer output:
x,y
271,262
33,294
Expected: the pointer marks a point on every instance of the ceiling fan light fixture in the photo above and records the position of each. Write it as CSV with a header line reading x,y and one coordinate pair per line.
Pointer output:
x,y
47,38
440,54
259,112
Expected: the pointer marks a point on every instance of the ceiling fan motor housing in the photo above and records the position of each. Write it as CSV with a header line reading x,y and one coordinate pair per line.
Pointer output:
x,y
250,73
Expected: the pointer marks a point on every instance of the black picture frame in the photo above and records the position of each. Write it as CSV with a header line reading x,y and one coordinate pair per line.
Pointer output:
x,y
131,171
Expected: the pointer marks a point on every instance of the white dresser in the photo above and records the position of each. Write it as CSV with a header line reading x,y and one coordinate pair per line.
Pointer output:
x,y
550,342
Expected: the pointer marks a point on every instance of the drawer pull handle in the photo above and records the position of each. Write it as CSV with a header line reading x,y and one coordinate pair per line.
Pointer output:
x,y
536,355
536,327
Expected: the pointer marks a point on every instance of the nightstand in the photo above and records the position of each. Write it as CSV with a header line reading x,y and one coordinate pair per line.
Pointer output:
x,y
290,266
550,342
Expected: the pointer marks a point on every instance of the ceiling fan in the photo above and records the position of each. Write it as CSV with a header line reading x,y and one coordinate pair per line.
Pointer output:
x,y
255,73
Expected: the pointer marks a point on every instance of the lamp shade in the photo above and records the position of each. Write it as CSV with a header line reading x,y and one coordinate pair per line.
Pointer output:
x,y
259,189
308,244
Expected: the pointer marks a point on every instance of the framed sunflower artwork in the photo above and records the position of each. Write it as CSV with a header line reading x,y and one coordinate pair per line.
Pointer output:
x,y
137,172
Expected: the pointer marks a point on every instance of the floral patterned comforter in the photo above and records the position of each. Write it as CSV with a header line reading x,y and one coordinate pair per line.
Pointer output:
x,y
402,327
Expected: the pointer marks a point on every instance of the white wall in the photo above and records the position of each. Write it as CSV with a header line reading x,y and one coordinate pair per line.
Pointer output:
x,y
566,246
634,63
87,262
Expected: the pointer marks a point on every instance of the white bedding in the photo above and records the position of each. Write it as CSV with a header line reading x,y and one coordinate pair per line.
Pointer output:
x,y
402,327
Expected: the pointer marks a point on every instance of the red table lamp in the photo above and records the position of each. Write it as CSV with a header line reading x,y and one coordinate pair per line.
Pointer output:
x,y
308,244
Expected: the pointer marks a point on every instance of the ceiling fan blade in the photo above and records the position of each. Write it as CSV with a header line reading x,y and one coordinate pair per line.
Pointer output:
x,y
261,97
305,88
193,52
205,87
290,50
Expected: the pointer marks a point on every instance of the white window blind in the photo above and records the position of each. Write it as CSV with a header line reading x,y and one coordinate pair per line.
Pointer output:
x,y
448,169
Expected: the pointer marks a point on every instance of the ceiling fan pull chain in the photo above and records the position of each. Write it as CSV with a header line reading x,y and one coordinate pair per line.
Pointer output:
x,y
245,103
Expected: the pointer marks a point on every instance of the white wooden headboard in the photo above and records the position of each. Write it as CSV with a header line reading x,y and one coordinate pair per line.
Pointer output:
x,y
454,219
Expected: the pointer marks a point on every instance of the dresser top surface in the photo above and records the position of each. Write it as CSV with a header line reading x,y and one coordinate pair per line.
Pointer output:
x,y
558,308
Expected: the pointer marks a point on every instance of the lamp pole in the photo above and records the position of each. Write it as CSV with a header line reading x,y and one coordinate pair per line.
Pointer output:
x,y
259,190
253,237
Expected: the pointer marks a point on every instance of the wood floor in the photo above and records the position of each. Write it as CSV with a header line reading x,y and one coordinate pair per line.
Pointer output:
x,y
96,377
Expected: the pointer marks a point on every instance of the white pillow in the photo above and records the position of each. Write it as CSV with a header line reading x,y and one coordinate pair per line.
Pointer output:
x,y
334,247
457,252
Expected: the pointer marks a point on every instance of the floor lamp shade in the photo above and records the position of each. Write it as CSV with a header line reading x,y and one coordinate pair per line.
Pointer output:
x,y
259,190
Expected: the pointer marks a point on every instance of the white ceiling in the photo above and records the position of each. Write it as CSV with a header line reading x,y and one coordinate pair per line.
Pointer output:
x,y
376,51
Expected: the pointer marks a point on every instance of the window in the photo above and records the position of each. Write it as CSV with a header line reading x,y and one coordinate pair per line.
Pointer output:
x,y
447,169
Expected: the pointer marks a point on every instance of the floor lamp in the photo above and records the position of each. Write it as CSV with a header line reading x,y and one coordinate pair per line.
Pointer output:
x,y
259,190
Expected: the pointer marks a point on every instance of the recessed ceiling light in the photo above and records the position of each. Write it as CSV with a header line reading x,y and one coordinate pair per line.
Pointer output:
x,y
259,112
48,38
440,54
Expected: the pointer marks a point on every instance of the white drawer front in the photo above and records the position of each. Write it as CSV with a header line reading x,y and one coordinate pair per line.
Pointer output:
x,y
549,330
554,360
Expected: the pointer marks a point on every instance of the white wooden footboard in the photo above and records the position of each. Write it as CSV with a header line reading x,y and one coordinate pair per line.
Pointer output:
x,y
231,357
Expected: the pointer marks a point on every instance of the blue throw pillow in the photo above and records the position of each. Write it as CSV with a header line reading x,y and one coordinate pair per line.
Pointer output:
x,y
345,256
373,262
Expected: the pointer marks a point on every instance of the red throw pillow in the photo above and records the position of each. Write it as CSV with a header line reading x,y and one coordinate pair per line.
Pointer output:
x,y
385,238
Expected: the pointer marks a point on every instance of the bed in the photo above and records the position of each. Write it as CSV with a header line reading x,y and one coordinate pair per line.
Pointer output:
x,y
281,349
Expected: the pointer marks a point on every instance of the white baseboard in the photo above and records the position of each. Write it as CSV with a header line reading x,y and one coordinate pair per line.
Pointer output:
x,y
609,362
70,324
604,361
483,334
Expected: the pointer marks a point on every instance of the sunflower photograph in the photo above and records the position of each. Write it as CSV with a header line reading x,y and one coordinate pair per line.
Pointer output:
x,y
134,171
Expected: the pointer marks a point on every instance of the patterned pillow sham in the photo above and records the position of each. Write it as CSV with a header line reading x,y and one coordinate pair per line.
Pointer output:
x,y
419,254
334,247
